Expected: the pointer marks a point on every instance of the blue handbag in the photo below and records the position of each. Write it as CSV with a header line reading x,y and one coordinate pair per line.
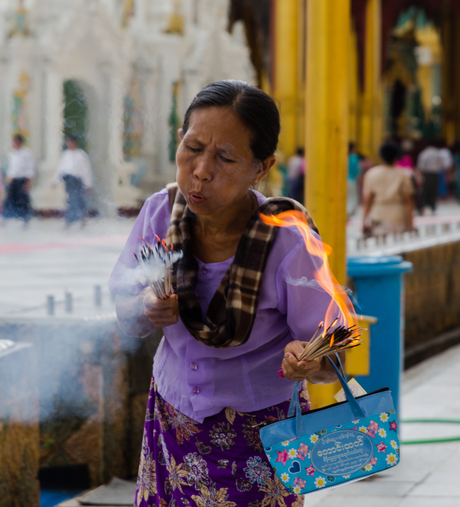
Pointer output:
x,y
333,445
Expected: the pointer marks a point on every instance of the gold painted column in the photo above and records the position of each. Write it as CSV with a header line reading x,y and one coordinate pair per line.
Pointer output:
x,y
455,69
353,88
328,34
285,75
372,114
448,70
327,109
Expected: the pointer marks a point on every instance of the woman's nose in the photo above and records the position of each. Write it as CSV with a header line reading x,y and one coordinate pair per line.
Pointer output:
x,y
203,169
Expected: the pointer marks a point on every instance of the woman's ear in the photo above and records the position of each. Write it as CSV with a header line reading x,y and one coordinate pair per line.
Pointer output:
x,y
180,133
263,168
267,164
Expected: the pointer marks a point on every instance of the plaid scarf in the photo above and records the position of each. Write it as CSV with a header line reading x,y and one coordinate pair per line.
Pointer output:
x,y
233,308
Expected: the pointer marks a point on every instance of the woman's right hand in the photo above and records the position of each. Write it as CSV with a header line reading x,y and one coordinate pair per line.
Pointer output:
x,y
160,312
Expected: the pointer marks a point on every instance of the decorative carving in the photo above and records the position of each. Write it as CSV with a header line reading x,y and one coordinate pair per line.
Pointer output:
x,y
132,120
174,122
127,12
19,113
19,21
176,20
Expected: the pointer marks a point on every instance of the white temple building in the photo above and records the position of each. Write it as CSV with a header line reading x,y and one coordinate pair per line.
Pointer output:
x,y
117,73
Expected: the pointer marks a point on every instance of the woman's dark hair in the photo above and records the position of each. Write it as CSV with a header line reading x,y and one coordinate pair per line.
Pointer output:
x,y
390,152
254,108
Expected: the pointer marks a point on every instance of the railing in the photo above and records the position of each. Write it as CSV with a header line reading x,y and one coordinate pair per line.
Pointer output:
x,y
429,232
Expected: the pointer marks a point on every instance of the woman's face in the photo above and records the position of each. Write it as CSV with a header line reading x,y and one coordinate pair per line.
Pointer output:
x,y
215,164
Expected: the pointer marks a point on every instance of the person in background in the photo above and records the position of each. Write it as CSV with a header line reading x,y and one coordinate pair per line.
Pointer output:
x,y
353,176
456,157
2,189
446,176
430,163
406,163
365,163
387,194
74,169
19,176
296,175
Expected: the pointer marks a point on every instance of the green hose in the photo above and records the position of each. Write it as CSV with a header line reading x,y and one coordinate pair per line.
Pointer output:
x,y
432,440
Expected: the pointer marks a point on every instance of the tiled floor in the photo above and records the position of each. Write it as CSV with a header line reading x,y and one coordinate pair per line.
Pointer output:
x,y
55,261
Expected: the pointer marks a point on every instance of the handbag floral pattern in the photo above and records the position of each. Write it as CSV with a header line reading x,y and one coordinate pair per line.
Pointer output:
x,y
337,455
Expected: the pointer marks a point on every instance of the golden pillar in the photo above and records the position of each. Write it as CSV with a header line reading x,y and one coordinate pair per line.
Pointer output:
x,y
328,33
448,70
327,109
285,85
372,101
353,88
455,69
301,75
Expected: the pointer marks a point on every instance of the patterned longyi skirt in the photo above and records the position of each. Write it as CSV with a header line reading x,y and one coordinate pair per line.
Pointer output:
x,y
220,463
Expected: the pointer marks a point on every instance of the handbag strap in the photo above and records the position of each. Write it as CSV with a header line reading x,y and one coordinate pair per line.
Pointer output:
x,y
294,406
355,408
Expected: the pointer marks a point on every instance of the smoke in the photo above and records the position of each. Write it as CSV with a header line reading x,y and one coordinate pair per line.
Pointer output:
x,y
68,365
314,284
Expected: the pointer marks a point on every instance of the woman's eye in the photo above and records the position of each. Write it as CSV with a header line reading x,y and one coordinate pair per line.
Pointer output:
x,y
224,159
193,150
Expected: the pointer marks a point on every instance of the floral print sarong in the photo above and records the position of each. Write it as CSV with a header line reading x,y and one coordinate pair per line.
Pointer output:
x,y
220,463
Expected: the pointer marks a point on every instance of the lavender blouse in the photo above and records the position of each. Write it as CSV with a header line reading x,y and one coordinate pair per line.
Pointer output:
x,y
199,380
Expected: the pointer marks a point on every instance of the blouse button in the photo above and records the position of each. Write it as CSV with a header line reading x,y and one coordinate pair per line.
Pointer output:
x,y
196,390
194,366
204,270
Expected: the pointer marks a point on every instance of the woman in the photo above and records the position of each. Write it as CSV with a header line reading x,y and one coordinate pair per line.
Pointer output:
x,y
234,318
387,195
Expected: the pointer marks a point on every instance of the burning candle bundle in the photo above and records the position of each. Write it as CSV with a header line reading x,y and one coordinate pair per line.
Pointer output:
x,y
329,342
155,266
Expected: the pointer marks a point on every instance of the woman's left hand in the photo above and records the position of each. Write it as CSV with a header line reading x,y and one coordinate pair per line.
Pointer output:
x,y
298,370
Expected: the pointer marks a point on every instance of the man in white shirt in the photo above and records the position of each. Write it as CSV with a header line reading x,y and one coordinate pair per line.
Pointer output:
x,y
74,169
21,170
430,163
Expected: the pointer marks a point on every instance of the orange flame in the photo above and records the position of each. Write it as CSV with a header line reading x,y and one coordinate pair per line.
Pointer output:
x,y
322,274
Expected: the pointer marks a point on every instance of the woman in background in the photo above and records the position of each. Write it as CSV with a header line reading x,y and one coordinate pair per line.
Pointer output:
x,y
387,195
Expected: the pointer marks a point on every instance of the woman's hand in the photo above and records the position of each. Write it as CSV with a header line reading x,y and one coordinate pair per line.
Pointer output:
x,y
160,312
298,370
318,371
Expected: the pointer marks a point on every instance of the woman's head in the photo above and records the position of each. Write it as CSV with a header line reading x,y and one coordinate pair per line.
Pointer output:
x,y
255,109
228,140
390,152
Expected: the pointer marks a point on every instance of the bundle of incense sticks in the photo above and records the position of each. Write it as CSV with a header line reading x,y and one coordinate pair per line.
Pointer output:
x,y
329,342
155,266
